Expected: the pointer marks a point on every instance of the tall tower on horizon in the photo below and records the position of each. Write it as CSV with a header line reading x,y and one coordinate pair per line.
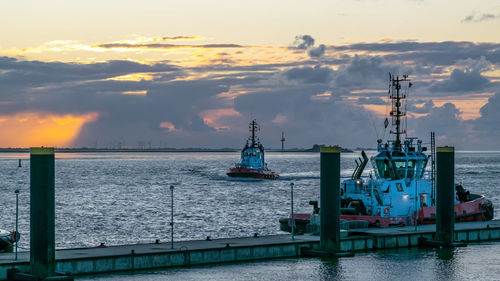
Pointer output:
x,y
282,142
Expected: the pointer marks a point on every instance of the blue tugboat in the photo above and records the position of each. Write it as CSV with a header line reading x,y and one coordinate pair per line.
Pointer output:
x,y
401,191
252,163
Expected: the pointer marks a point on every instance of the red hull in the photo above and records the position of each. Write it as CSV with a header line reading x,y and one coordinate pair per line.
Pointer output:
x,y
252,173
479,209
378,221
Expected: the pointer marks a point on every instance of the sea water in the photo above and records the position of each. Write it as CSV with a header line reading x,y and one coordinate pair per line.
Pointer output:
x,y
124,198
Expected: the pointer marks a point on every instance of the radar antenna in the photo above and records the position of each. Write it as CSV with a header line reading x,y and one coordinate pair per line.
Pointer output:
x,y
254,128
398,111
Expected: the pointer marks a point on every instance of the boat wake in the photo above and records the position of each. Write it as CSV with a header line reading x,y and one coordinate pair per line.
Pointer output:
x,y
297,178
242,179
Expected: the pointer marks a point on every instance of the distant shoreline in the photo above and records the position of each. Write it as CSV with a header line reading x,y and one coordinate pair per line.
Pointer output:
x,y
101,150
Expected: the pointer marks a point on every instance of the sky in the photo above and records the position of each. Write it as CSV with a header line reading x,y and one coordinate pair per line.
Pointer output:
x,y
141,74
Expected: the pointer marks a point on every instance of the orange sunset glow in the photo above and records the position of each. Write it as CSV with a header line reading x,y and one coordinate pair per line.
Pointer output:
x,y
211,117
29,129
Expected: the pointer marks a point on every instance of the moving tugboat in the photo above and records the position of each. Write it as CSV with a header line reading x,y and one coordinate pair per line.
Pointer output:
x,y
402,192
252,163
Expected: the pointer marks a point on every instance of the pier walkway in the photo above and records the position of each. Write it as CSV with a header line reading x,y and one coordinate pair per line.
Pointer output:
x,y
160,255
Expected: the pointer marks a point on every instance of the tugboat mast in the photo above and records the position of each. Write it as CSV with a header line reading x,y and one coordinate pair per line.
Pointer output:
x,y
396,113
253,128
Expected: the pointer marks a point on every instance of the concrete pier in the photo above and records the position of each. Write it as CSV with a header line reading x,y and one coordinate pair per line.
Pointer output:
x,y
445,215
330,198
42,211
150,256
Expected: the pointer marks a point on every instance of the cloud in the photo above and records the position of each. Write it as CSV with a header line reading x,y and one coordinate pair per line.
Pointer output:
x,y
474,17
211,105
316,52
79,89
37,73
445,121
302,42
434,53
306,42
316,74
70,87
178,104
372,101
181,37
164,46
475,65
302,115
491,110
363,71
462,81
486,127
425,108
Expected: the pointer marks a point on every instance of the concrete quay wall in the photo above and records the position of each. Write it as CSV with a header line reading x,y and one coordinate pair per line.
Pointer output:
x,y
180,258
404,237
81,265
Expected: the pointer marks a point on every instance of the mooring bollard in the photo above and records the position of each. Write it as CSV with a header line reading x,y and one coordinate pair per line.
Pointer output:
x,y
445,204
16,235
293,216
171,217
330,198
42,212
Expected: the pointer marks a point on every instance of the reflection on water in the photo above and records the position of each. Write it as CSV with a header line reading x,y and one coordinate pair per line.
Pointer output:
x,y
446,265
445,253
330,269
